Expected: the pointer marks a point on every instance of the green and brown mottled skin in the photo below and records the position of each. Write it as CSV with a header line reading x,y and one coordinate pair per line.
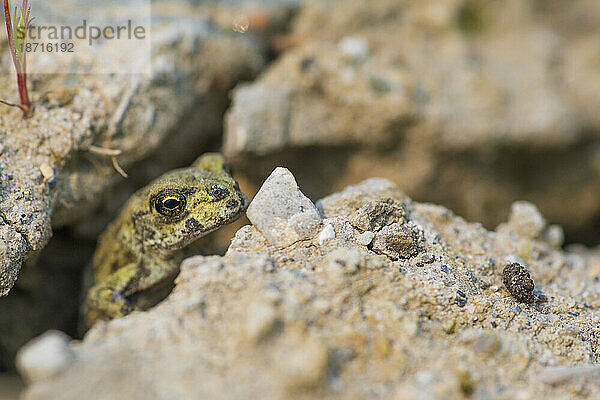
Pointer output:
x,y
142,247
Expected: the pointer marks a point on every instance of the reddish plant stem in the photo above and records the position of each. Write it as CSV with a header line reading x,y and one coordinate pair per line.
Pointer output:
x,y
24,66
21,74
9,31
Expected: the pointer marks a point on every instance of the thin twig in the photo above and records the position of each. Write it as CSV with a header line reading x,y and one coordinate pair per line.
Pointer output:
x,y
118,168
25,8
104,151
113,153
8,103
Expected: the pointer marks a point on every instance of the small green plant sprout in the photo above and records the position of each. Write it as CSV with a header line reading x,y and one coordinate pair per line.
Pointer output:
x,y
17,41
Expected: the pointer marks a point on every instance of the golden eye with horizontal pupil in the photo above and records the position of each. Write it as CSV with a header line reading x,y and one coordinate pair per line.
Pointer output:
x,y
170,203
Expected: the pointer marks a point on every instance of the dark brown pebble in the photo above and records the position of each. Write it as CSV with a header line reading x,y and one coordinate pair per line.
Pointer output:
x,y
517,280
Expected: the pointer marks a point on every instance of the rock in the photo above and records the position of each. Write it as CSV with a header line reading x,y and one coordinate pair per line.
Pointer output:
x,y
45,357
375,215
251,103
396,241
301,114
365,196
281,212
333,319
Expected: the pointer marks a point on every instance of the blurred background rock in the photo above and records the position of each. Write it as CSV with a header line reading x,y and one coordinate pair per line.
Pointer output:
x,y
470,104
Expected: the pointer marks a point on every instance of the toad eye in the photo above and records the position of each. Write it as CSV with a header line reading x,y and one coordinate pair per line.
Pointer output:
x,y
217,192
170,203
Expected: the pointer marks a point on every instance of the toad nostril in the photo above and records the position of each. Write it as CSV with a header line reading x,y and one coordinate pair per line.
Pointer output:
x,y
218,192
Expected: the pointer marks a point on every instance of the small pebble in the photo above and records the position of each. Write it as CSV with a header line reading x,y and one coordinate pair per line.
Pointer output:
x,y
306,63
45,356
515,310
354,47
427,258
460,299
555,236
445,269
366,238
281,212
327,233
526,220
47,172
